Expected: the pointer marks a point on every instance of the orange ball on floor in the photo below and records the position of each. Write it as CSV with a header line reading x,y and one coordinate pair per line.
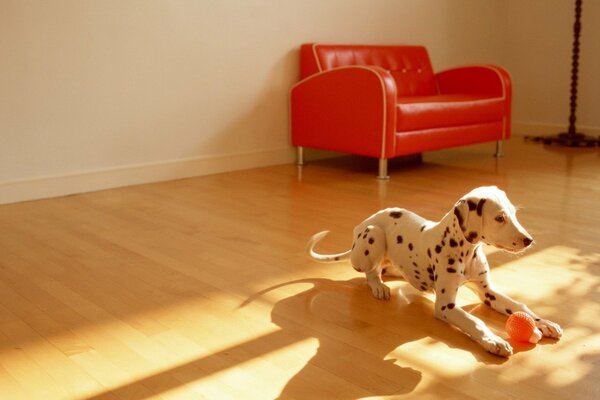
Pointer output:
x,y
521,327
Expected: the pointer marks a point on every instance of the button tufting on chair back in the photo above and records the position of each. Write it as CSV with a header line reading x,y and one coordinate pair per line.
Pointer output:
x,y
409,65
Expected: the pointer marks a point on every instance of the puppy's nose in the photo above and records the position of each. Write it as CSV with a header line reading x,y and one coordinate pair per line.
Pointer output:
x,y
527,241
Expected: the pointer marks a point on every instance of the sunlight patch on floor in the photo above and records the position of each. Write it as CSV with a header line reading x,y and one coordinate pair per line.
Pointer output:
x,y
224,348
549,274
546,280
563,277
114,353
276,367
427,354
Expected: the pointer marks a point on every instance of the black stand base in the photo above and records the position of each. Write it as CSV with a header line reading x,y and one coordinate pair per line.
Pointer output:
x,y
566,139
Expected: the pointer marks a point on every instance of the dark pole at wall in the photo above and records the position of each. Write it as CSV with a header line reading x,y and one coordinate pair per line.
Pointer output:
x,y
571,138
575,68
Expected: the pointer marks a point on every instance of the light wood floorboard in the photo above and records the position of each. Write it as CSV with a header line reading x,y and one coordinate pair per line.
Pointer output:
x,y
200,289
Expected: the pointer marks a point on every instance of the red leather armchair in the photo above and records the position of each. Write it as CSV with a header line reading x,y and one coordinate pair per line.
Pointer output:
x,y
386,101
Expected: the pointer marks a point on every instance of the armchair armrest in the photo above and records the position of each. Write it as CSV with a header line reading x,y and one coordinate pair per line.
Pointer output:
x,y
346,109
485,80
482,80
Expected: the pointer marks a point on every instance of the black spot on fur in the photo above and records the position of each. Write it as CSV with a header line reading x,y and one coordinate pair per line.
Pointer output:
x,y
453,243
337,259
438,249
443,308
461,243
383,271
371,240
472,236
395,214
429,252
472,205
508,311
366,252
480,207
415,264
422,228
423,288
443,291
451,270
410,246
430,270
450,306
537,319
399,239
459,217
487,303
451,261
490,296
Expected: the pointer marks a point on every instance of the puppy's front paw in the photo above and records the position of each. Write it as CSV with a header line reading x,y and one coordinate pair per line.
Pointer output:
x,y
496,345
549,329
380,290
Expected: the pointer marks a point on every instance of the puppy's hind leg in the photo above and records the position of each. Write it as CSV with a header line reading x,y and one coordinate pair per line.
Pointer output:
x,y
367,255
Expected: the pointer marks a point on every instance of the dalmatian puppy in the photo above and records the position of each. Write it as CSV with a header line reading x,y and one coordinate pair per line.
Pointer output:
x,y
441,256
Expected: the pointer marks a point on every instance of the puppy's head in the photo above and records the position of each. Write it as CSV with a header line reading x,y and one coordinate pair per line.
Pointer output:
x,y
485,214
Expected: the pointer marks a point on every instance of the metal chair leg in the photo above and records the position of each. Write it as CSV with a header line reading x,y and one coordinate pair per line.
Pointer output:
x,y
299,155
499,151
383,169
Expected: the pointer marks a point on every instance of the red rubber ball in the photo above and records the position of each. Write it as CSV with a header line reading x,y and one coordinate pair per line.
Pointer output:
x,y
520,326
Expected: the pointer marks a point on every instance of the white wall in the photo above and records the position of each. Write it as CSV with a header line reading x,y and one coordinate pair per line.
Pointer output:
x,y
104,93
539,43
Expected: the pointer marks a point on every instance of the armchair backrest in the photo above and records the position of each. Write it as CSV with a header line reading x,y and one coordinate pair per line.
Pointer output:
x,y
409,65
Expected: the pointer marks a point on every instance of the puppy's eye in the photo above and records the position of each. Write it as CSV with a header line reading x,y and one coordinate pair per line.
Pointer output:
x,y
500,219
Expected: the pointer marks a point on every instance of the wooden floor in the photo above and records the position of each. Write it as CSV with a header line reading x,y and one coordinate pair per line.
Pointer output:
x,y
199,288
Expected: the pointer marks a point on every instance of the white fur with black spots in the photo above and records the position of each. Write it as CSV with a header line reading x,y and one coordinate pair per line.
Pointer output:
x,y
442,256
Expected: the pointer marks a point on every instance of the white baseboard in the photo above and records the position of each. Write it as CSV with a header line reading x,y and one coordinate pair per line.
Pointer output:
x,y
540,129
90,181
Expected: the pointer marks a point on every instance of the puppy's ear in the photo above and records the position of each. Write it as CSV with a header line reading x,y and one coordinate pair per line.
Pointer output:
x,y
469,214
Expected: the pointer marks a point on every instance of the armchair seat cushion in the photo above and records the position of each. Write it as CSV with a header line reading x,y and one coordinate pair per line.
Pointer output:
x,y
429,112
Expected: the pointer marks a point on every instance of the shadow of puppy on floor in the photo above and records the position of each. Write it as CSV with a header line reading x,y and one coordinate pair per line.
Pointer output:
x,y
356,333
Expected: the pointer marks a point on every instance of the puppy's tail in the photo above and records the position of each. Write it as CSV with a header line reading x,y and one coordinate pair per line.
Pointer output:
x,y
324,257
